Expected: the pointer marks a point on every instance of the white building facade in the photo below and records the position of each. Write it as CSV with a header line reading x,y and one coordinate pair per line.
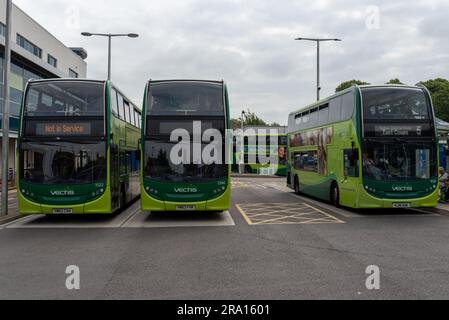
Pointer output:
x,y
36,54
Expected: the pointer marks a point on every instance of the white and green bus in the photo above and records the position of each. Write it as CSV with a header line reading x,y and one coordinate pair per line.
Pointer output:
x,y
78,148
366,147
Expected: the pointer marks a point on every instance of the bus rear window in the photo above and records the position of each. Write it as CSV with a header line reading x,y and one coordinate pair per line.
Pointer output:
x,y
395,104
65,99
186,98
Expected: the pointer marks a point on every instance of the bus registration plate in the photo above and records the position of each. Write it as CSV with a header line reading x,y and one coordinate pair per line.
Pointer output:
x,y
402,205
62,211
185,208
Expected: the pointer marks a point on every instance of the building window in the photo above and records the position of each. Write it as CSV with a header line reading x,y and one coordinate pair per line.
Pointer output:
x,y
2,30
28,46
73,74
52,61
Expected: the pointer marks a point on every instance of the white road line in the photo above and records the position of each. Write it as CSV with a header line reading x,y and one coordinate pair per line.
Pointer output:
x,y
129,218
177,220
18,221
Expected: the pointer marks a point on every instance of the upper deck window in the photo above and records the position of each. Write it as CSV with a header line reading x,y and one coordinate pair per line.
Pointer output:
x,y
186,98
65,99
395,104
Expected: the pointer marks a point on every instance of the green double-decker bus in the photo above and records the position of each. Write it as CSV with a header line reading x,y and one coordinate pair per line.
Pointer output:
x,y
78,148
367,147
196,110
256,136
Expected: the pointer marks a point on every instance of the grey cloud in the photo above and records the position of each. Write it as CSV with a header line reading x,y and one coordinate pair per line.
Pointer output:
x,y
250,44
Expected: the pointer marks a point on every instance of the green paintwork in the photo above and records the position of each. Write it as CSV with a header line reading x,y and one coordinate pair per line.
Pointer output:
x,y
93,198
162,196
198,192
356,192
79,193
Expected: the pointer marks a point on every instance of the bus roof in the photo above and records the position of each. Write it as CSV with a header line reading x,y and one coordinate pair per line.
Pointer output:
x,y
353,88
187,80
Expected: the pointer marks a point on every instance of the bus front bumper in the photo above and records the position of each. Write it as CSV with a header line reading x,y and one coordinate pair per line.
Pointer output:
x,y
222,203
100,206
365,200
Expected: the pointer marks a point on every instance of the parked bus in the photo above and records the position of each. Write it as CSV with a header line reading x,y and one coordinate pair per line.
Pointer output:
x,y
251,146
367,147
78,148
190,185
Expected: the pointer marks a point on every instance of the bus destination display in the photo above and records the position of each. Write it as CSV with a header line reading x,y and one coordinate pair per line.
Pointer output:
x,y
63,129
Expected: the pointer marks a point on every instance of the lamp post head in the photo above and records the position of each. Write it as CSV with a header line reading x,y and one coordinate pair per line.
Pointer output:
x,y
133,35
86,34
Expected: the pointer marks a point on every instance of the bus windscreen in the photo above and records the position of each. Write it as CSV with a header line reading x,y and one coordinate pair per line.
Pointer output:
x,y
65,162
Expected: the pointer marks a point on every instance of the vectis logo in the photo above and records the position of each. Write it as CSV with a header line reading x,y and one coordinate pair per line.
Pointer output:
x,y
186,190
403,188
62,193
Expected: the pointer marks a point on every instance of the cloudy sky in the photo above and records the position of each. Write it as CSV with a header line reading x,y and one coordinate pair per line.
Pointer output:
x,y
249,44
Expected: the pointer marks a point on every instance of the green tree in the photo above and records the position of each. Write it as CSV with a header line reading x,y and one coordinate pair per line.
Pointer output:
x,y
439,89
394,81
348,84
251,119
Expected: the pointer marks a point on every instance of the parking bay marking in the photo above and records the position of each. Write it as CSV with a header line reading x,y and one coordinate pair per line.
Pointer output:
x,y
284,213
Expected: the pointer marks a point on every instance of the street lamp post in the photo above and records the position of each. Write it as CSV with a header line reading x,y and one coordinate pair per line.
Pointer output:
x,y
242,144
318,41
5,119
110,36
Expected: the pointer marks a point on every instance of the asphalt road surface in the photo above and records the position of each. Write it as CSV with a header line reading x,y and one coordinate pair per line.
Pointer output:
x,y
271,245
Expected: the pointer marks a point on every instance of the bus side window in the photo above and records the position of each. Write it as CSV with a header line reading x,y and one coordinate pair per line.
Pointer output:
x,y
351,163
114,103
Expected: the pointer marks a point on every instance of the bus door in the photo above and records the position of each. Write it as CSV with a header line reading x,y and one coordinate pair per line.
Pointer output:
x,y
351,174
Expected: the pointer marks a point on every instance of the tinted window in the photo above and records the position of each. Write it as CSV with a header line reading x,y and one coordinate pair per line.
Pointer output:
x,y
127,111
348,105
121,106
313,118
133,116
186,98
306,161
323,115
136,117
114,105
335,110
399,161
63,162
61,99
395,104
158,164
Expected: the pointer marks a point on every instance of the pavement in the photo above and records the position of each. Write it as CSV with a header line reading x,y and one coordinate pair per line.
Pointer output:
x,y
272,244
13,207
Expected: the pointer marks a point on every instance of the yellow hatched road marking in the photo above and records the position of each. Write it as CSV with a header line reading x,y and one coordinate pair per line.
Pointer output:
x,y
284,213
248,220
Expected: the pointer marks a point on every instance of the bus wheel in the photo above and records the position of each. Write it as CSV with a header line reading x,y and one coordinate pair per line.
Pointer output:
x,y
297,191
335,195
248,170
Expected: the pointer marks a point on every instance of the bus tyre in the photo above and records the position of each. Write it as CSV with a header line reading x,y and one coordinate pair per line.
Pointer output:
x,y
297,191
335,195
